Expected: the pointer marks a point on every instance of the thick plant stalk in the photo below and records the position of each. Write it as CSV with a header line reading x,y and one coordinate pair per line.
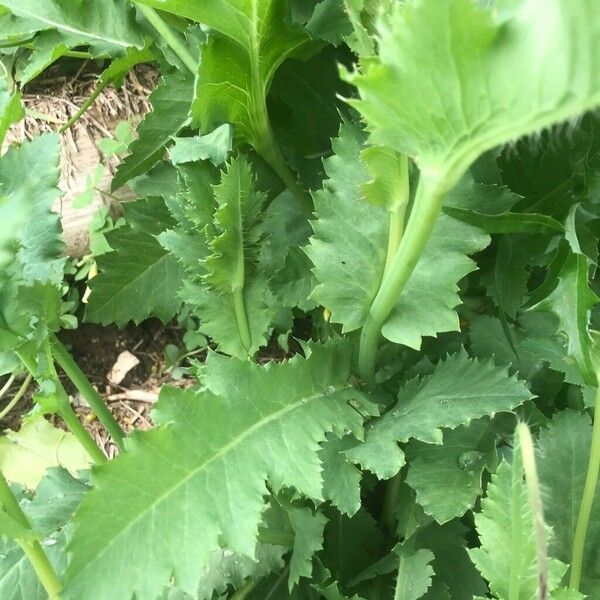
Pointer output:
x,y
427,207
587,500
82,383
537,509
169,37
32,548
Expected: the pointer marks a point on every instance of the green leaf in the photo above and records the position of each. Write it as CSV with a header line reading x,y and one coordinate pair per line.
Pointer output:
x,y
469,49
507,222
226,568
308,539
507,557
414,574
214,146
447,477
171,104
329,22
562,456
458,391
222,443
27,454
139,278
255,43
10,529
349,246
29,177
341,479
238,230
108,26
571,301
11,109
452,565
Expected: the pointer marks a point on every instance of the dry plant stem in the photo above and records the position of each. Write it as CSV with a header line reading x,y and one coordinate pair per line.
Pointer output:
x,y
64,408
6,386
32,548
92,397
587,500
20,393
535,500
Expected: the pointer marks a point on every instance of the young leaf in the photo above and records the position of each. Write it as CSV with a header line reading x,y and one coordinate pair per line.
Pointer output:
x,y
11,108
308,539
414,574
108,26
507,557
223,444
29,178
572,301
171,104
214,146
460,390
139,278
562,455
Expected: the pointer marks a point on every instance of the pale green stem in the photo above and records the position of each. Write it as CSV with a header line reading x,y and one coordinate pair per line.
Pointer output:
x,y
169,37
396,228
99,88
20,393
32,549
537,509
403,588
587,500
426,209
64,408
82,383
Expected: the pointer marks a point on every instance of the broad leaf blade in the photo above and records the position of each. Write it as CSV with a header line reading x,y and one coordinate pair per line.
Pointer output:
x,y
108,26
458,391
221,444
444,121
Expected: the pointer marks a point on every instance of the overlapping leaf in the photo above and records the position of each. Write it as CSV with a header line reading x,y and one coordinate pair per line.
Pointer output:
x,y
171,105
221,443
349,247
458,391
139,278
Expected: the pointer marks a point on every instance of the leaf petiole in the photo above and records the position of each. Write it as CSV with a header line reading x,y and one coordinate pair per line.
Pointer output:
x,y
426,209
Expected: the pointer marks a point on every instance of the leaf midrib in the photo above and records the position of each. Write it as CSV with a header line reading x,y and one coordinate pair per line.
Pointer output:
x,y
74,30
302,400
